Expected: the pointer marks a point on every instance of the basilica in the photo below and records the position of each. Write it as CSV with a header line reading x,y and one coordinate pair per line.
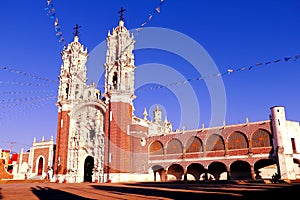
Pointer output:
x,y
99,138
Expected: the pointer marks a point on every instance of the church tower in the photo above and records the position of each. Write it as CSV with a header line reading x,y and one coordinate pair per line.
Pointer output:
x,y
72,77
81,117
119,95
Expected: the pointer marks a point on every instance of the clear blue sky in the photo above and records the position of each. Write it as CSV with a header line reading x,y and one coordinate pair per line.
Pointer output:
x,y
234,33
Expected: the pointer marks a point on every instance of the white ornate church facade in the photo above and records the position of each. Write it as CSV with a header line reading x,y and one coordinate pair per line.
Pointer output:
x,y
99,139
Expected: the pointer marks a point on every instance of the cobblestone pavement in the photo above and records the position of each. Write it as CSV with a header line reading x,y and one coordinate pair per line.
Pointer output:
x,y
155,190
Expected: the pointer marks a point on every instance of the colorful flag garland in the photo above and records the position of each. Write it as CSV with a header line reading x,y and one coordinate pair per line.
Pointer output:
x,y
51,12
228,72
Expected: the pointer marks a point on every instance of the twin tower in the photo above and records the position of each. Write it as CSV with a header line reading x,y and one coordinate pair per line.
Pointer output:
x,y
93,142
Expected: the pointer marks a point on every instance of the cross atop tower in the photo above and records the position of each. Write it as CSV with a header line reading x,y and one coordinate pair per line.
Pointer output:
x,y
121,12
76,28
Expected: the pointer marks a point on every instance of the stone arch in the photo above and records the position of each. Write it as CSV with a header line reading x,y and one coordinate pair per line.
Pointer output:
x,y
176,170
174,146
261,138
196,169
265,168
158,169
240,170
216,169
88,169
215,142
40,165
75,110
237,140
156,148
194,145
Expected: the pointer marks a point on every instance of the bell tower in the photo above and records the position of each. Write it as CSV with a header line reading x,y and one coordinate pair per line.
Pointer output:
x,y
119,95
72,80
119,66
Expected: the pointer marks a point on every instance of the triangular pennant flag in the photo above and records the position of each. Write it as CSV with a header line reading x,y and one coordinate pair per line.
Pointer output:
x,y
230,71
59,33
56,22
61,39
52,10
52,16
57,28
296,57
268,62
287,58
258,64
158,9
276,60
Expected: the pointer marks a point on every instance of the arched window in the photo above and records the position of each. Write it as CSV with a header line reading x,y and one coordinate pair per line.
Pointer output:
x,y
156,148
215,143
261,138
237,140
115,80
193,145
174,147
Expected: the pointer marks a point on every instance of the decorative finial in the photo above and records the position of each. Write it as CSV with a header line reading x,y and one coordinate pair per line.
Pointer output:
x,y
121,12
76,28
145,114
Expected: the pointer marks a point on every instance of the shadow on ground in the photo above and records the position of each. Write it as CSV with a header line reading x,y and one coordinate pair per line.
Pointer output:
x,y
204,191
46,193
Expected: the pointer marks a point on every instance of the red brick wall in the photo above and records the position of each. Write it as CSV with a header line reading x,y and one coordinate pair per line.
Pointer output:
x,y
62,137
37,153
248,130
25,157
119,146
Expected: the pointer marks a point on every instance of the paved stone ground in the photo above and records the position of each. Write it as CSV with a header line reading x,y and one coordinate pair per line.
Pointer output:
x,y
152,190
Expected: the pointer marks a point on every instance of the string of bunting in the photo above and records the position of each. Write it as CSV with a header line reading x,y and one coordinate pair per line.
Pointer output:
x,y
227,72
25,84
23,101
157,10
52,13
21,109
26,74
26,92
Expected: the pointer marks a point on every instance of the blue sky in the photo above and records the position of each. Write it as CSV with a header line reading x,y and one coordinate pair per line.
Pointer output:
x,y
234,33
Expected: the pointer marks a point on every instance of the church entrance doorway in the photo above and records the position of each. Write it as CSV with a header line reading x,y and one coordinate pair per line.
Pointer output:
x,y
40,166
88,169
